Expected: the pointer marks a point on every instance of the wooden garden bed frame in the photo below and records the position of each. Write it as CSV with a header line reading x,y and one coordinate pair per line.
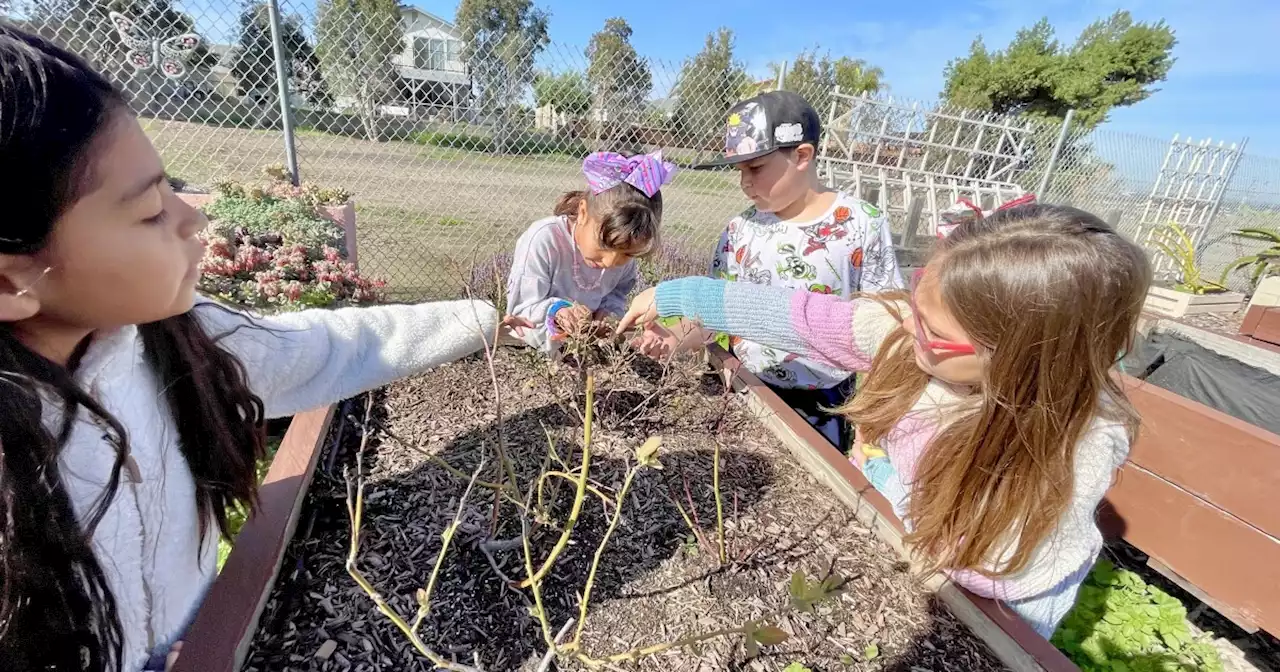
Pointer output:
x,y
1207,521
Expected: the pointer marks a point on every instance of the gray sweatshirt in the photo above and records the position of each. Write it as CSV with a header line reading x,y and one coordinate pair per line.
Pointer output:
x,y
542,273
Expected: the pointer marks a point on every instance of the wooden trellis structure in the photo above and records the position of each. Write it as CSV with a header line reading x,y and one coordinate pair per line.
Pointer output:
x,y
1188,190
916,161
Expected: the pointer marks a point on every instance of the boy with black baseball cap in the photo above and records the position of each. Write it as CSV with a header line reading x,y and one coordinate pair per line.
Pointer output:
x,y
798,233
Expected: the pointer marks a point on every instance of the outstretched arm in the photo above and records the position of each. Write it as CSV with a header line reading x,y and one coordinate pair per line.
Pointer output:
x,y
844,334
298,361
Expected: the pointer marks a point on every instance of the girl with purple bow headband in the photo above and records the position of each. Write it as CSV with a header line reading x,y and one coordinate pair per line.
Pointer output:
x,y
577,266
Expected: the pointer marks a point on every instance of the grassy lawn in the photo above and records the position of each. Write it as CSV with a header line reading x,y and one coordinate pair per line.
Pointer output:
x,y
423,211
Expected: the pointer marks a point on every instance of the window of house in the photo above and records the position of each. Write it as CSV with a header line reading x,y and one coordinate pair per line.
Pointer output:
x,y
429,53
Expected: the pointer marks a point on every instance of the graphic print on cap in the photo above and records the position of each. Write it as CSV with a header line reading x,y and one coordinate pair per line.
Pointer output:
x,y
748,131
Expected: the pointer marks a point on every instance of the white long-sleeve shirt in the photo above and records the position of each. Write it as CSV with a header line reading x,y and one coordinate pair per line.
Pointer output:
x,y
542,272
148,542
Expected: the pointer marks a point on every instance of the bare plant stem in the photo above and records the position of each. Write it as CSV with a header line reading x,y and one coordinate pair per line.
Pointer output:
x,y
355,509
578,497
715,485
595,561
545,664
645,651
535,586
572,479
693,528
438,461
490,351
446,538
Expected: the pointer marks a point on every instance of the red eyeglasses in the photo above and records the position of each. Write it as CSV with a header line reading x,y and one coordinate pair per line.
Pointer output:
x,y
922,334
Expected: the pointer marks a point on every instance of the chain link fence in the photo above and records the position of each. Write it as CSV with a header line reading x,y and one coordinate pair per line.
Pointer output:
x,y
452,146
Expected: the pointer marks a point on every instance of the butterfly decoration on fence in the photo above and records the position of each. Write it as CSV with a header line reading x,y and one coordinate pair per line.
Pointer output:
x,y
146,52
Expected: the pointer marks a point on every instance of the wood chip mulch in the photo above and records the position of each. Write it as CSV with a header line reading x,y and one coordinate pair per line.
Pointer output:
x,y
657,582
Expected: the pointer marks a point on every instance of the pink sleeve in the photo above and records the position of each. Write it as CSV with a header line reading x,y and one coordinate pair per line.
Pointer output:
x,y
843,333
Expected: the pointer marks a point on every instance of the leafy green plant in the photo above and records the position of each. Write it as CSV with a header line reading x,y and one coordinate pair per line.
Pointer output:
x,y
1174,242
270,248
236,515
1122,624
1263,264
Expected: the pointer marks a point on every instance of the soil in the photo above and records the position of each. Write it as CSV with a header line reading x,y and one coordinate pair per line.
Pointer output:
x,y
658,581
1225,324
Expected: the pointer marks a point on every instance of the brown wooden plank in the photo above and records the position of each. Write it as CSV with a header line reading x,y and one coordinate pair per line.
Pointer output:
x,y
1223,460
1251,320
219,638
1010,638
1267,328
1225,558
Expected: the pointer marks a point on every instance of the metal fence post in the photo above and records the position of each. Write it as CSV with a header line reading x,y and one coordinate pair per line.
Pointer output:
x,y
282,86
782,77
1043,189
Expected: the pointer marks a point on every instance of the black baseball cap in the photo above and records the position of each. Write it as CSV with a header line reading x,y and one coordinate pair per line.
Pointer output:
x,y
766,123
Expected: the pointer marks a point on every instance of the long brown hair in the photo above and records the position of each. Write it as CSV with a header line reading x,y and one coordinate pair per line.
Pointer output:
x,y
1050,296
628,219
56,608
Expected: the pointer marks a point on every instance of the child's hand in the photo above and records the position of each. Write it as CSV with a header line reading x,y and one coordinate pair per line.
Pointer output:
x,y
656,341
172,658
570,320
643,310
511,331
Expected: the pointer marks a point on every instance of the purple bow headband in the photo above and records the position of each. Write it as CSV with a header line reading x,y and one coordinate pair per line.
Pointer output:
x,y
646,172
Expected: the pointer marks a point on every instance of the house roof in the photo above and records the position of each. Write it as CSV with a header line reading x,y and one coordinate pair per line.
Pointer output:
x,y
412,8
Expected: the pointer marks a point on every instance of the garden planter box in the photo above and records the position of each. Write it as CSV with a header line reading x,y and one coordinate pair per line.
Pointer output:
x,y
1197,495
342,215
1008,636
1262,324
223,627
1172,303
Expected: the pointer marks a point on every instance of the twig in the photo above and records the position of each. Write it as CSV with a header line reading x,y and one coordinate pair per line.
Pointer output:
x,y
446,537
595,561
551,652
355,509
490,352
715,485
578,497
439,461
536,586
568,477
645,651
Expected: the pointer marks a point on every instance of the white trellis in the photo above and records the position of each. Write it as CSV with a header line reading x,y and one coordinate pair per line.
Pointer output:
x,y
1188,190
916,161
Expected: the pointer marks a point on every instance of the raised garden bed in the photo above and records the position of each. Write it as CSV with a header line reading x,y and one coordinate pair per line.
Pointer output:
x,y
1169,302
658,581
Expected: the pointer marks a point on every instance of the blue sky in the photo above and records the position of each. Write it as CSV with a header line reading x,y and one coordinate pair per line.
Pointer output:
x,y
1225,84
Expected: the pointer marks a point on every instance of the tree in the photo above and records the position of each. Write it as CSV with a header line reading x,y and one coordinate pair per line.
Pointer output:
x,y
620,79
566,92
355,40
501,39
254,61
1113,63
709,84
816,77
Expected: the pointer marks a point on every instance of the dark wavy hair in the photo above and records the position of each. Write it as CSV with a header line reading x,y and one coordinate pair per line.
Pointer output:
x,y
56,609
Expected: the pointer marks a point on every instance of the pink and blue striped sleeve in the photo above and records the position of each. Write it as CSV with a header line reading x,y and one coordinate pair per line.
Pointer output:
x,y
822,327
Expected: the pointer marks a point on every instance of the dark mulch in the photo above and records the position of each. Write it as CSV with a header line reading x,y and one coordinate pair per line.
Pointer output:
x,y
656,581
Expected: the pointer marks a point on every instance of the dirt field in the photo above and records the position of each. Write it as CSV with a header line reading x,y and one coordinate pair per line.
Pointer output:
x,y
658,580
423,210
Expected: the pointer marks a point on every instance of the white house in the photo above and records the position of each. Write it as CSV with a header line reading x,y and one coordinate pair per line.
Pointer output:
x,y
430,65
